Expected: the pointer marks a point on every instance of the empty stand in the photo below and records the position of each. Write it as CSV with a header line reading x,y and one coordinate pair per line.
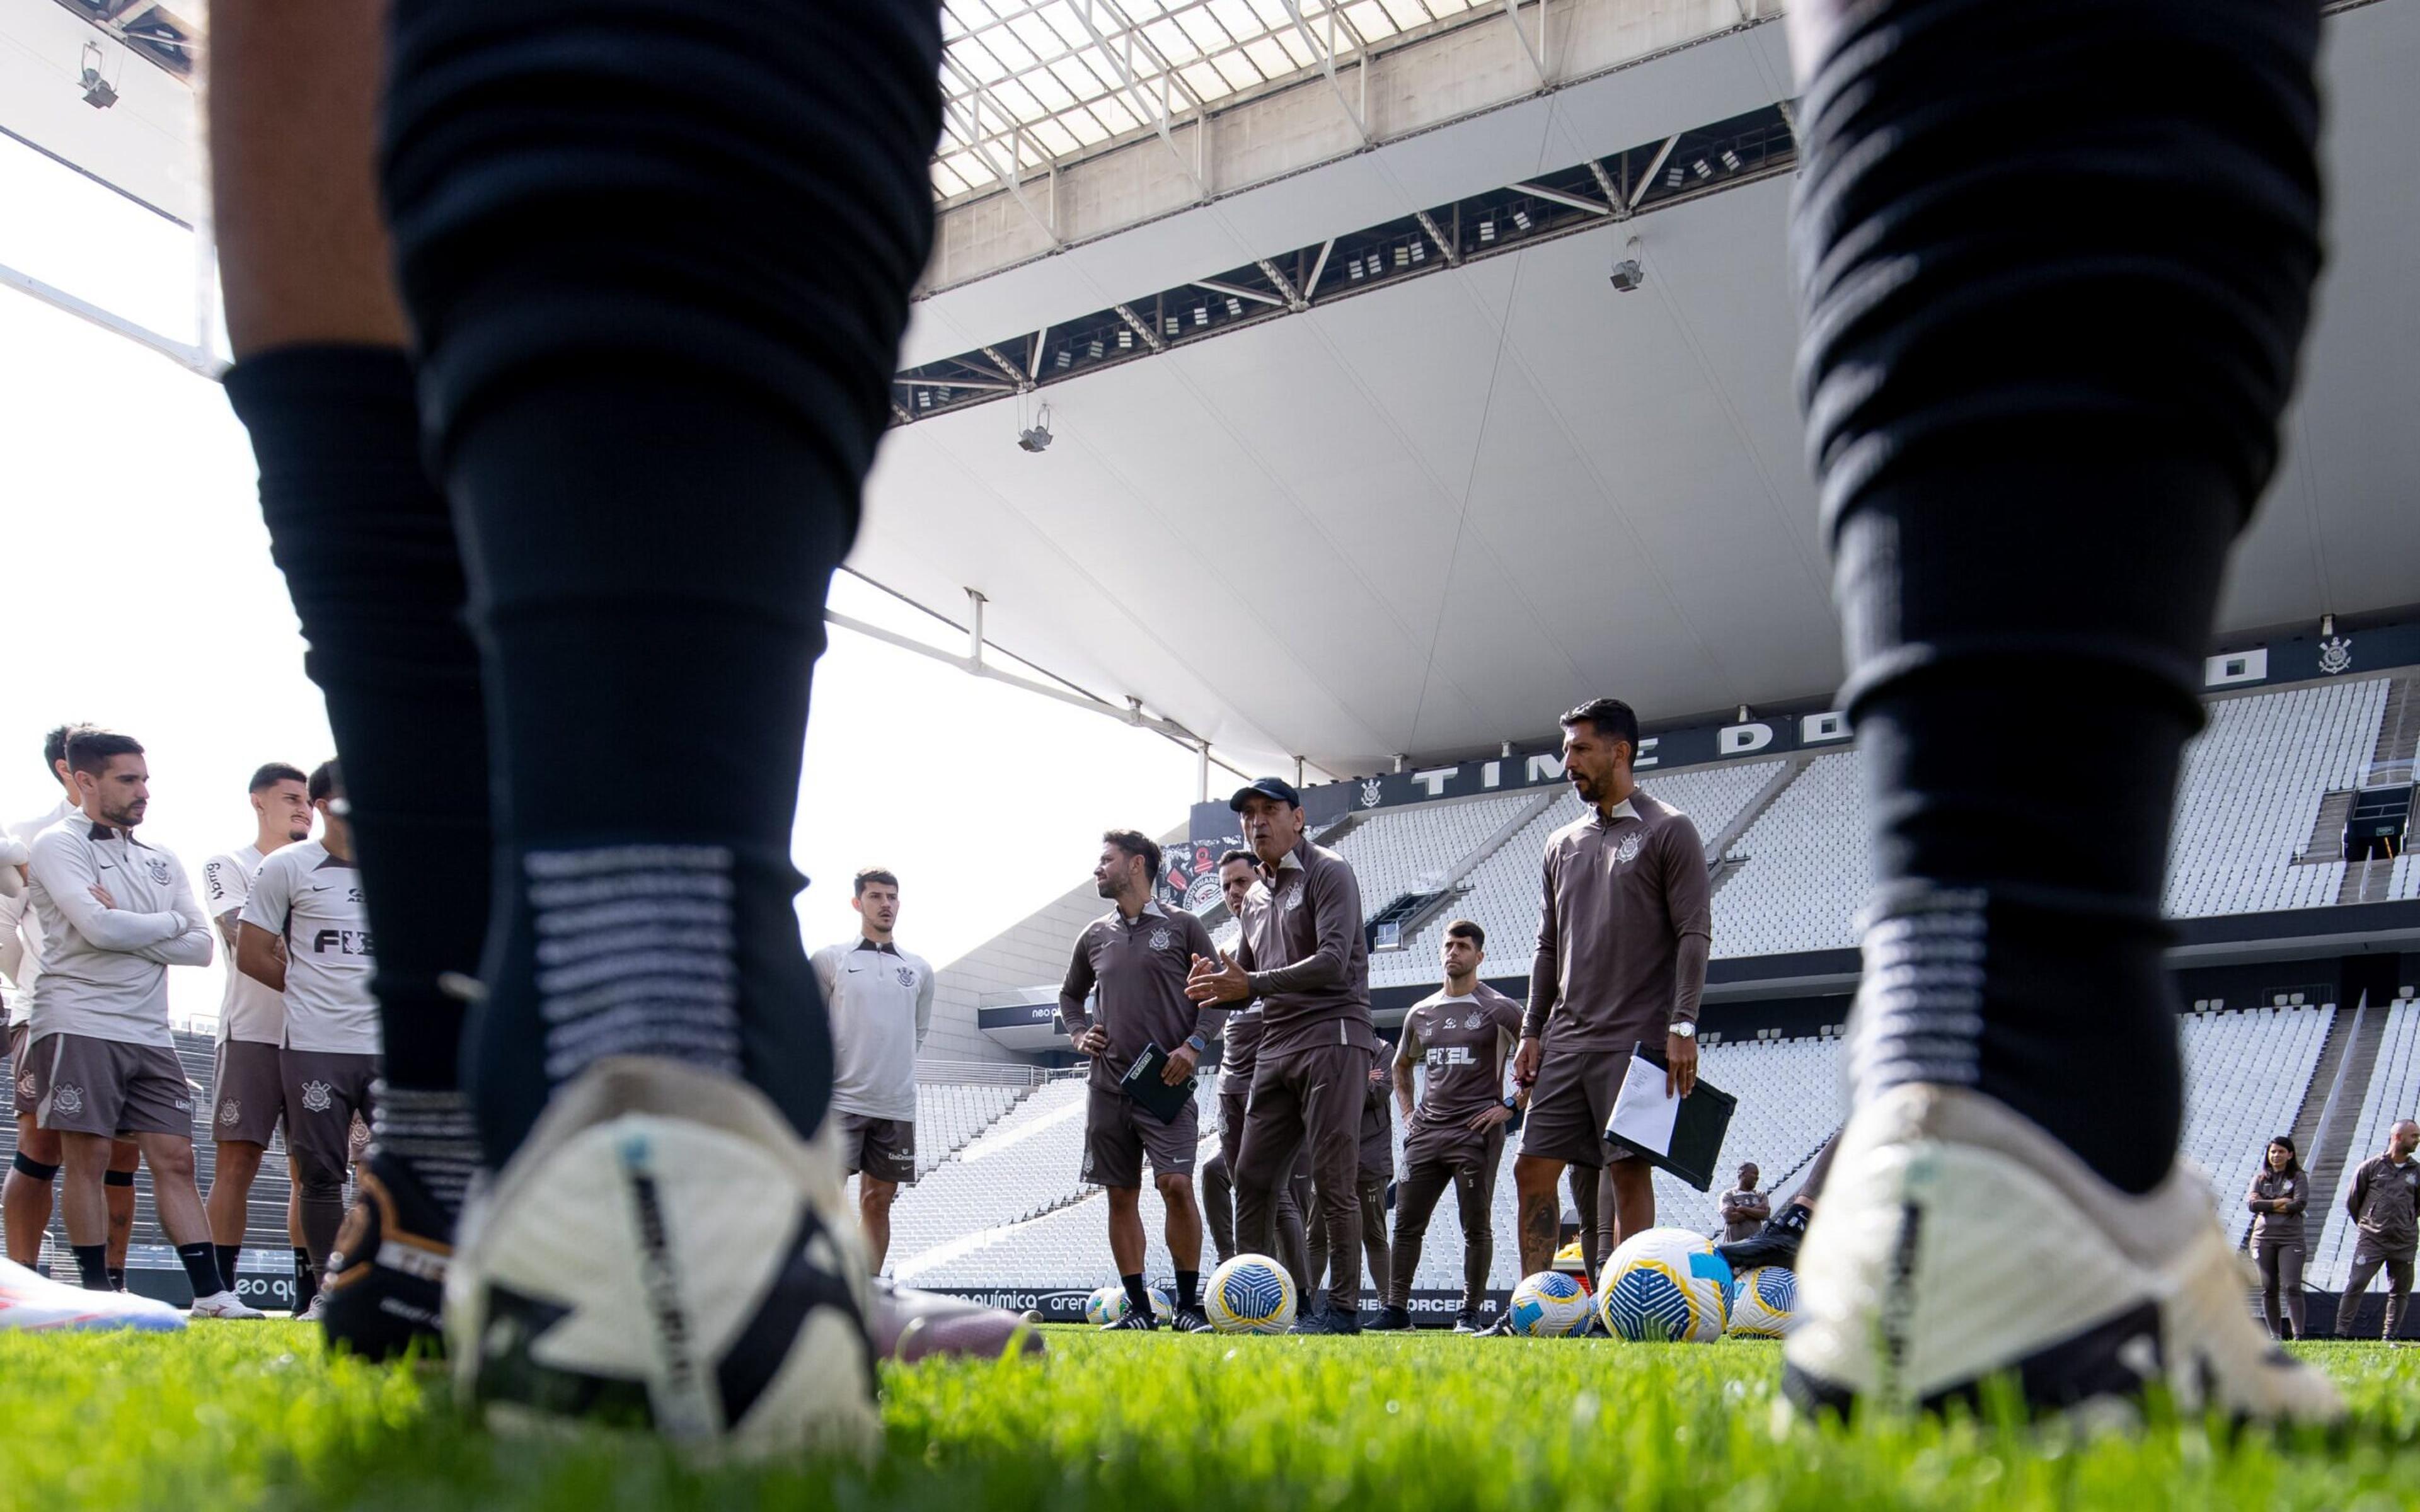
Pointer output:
x,y
2254,780
2246,1073
2393,1093
1803,865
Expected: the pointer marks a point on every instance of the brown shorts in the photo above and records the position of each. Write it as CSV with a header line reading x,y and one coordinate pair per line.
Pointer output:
x,y
1453,1148
884,1149
107,1086
1118,1134
25,1079
1571,1104
247,1092
323,1089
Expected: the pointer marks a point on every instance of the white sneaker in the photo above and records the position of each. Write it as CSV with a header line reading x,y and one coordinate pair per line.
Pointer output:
x,y
663,1252
1956,1239
222,1304
316,1311
33,1303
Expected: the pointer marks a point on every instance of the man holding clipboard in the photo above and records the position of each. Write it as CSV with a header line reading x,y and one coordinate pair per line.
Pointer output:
x,y
1137,956
1623,938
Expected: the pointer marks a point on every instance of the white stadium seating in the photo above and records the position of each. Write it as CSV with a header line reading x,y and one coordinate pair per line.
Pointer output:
x,y
1803,867
2245,1076
2252,783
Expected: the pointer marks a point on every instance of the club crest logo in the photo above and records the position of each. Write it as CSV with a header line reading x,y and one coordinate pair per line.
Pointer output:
x,y
1161,939
1369,792
1474,1021
27,1088
1627,850
67,1097
319,1096
907,976
231,1112
1292,899
2336,654
158,866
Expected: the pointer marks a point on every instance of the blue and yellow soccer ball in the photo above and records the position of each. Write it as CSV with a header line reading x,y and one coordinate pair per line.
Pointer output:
x,y
1106,1306
1665,1284
1765,1303
1249,1294
1548,1305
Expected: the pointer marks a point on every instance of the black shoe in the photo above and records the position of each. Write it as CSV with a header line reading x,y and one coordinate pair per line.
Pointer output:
x,y
386,1276
1500,1329
1775,1243
1336,1320
1133,1320
1190,1321
1390,1320
1465,1322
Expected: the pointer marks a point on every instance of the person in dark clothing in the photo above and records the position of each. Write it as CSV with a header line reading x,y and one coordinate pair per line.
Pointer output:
x,y
2280,1191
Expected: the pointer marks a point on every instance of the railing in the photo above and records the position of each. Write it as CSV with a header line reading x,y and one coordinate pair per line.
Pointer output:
x,y
979,1073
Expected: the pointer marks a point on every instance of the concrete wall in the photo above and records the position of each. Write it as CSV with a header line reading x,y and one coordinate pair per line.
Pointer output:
x,y
1029,953
1407,88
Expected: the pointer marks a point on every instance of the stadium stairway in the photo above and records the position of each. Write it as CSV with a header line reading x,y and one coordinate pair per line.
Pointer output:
x,y
2338,1123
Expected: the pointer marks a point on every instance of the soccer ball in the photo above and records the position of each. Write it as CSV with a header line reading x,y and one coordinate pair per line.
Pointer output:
x,y
1106,1306
1249,1294
664,1253
1666,1284
1163,1306
1548,1305
1764,1305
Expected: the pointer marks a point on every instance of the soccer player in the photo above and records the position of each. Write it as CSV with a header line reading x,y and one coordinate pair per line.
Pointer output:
x,y
25,1200
1376,1147
1303,954
881,1004
1458,1039
247,1101
1623,938
1744,1209
1240,1052
1137,957
1984,392
2384,1202
306,936
115,914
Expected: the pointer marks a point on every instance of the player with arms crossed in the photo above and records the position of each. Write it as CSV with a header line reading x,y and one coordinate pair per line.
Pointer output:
x,y
247,1099
115,914
305,935
1455,1135
1137,956
881,1005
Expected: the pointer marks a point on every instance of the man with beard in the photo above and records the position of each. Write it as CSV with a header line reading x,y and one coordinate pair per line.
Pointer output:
x,y
1238,871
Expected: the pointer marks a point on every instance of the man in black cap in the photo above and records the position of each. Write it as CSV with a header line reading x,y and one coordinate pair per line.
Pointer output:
x,y
1303,954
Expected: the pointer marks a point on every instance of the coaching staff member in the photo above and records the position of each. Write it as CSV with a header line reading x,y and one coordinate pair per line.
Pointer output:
x,y
1622,939
1303,954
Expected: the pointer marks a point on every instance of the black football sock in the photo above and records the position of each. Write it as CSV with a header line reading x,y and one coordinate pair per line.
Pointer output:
x,y
2036,438
201,1262
229,1255
1189,1289
1138,1296
367,546
306,1279
92,1266
659,266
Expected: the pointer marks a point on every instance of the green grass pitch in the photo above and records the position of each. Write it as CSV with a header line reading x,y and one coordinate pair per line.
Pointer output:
x,y
236,1415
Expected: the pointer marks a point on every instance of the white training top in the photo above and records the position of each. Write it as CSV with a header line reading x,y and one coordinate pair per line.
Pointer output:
x,y
250,1009
21,933
104,972
314,902
880,1000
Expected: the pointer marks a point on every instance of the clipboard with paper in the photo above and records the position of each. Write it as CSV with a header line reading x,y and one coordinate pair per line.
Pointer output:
x,y
1681,1134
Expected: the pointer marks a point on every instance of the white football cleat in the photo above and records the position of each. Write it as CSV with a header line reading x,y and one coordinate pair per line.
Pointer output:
x,y
665,1252
222,1303
316,1311
33,1303
1956,1239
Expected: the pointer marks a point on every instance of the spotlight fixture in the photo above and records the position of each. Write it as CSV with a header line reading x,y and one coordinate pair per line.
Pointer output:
x,y
1702,169
1173,325
1674,175
1066,355
1036,437
98,92
1234,307
924,398
1125,337
1355,268
1201,315
1731,159
1420,251
1486,230
1092,348
1630,269
1403,256
1520,219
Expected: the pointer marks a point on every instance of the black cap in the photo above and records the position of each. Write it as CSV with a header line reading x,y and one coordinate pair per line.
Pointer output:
x,y
1268,787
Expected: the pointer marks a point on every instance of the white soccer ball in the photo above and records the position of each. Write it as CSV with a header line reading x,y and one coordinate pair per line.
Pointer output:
x,y
1765,1303
1666,1284
1249,1294
1106,1306
1163,1306
1548,1305
665,1254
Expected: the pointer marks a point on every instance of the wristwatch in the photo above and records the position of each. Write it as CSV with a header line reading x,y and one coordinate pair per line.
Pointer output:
x,y
1199,1044
1685,1030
